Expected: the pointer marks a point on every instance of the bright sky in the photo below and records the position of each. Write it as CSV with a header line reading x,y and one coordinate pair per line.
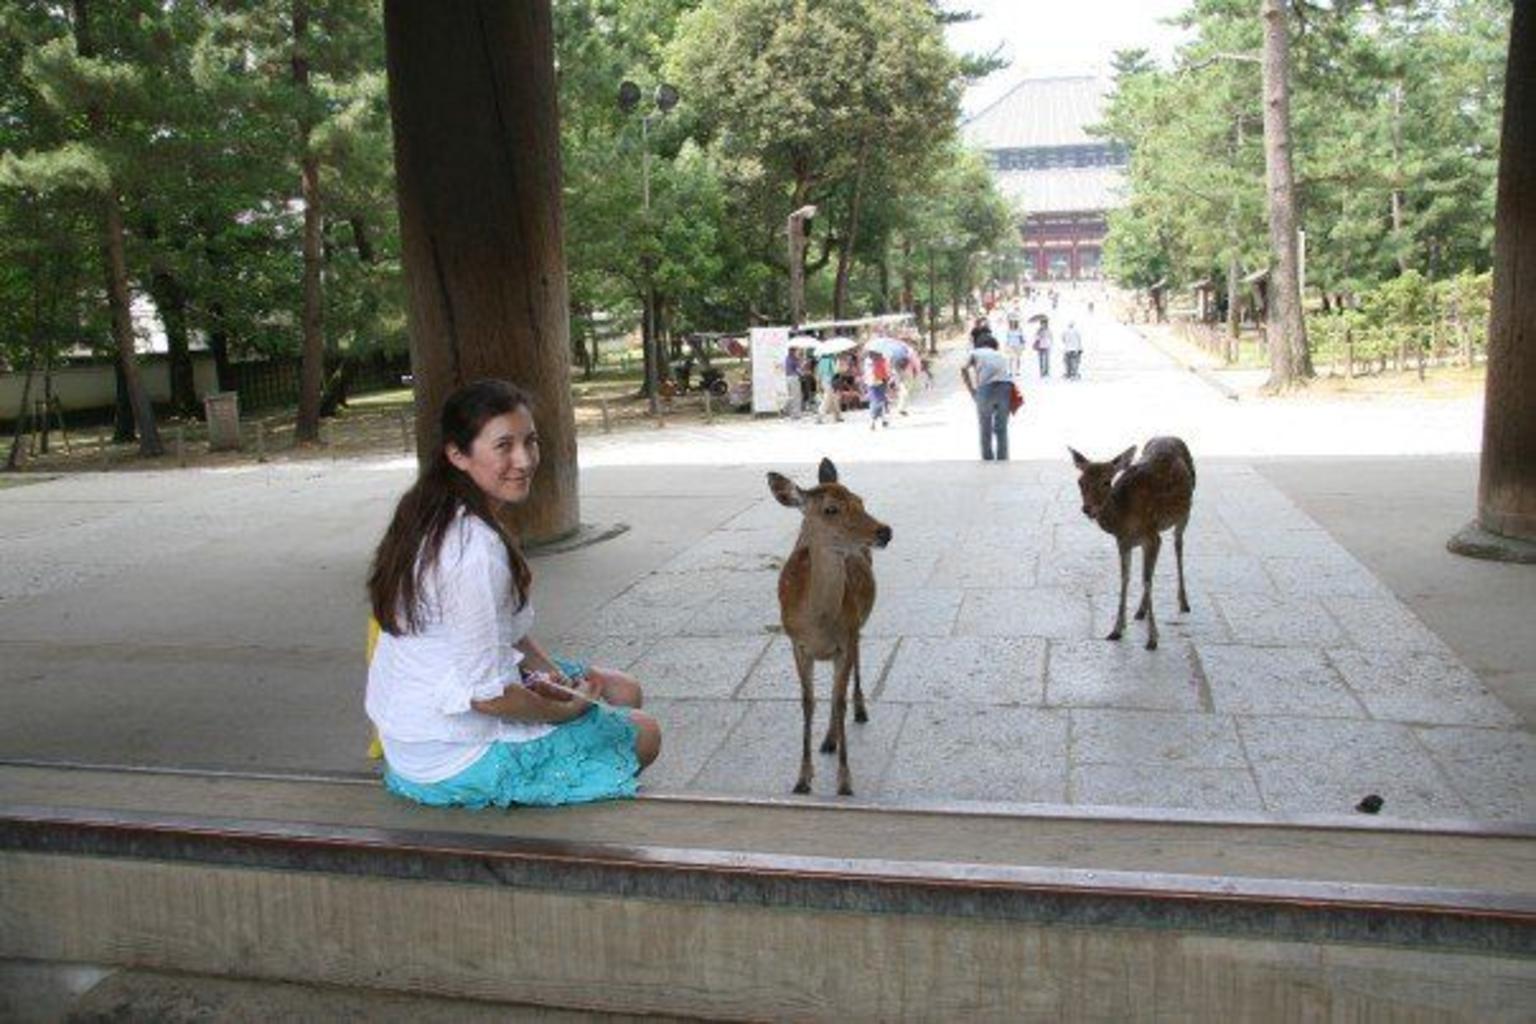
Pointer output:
x,y
1064,36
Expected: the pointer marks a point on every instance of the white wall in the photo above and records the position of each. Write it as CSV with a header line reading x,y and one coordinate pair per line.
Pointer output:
x,y
93,387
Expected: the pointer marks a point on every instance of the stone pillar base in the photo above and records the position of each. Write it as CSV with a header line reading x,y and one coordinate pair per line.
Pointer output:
x,y
1475,542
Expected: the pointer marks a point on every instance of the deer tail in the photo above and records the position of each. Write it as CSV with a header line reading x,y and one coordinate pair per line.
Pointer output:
x,y
1189,460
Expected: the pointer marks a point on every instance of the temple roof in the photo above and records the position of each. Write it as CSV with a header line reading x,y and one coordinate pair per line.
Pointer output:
x,y
1063,189
1040,112
1043,113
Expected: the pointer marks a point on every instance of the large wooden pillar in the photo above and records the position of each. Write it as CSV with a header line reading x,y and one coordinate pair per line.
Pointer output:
x,y
1506,492
477,161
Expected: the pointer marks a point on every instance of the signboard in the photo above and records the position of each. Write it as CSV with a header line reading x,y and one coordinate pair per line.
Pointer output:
x,y
770,388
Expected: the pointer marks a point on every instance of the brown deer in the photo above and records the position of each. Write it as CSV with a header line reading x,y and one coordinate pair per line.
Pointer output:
x,y
1135,502
826,592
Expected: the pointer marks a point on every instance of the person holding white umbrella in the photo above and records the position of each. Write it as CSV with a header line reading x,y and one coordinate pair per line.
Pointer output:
x,y
826,353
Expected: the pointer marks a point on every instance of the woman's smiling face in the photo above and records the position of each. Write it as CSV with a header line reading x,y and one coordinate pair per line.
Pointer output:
x,y
502,458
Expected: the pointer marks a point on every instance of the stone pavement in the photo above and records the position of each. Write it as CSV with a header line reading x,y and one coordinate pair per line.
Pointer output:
x,y
212,619
1297,684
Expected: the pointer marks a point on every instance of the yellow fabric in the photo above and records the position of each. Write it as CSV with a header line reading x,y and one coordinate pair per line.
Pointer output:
x,y
375,748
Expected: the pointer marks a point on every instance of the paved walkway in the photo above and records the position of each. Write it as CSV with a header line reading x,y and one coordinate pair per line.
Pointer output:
x,y
212,618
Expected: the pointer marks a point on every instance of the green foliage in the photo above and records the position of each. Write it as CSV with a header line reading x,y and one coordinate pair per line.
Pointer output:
x,y
1390,103
1402,301
1407,315
188,114
842,104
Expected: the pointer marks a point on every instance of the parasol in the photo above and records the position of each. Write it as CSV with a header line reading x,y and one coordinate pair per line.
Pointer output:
x,y
891,348
804,341
835,346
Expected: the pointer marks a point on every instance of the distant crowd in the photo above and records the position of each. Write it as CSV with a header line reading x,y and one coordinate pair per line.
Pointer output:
x,y
837,375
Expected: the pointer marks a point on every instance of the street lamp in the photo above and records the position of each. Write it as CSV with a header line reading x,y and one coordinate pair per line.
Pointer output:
x,y
795,228
665,99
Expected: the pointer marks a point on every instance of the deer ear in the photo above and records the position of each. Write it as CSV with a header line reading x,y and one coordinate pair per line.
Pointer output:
x,y
785,490
826,473
1124,458
1077,458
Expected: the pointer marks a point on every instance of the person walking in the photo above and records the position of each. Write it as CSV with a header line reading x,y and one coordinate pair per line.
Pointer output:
x,y
979,328
826,380
1071,349
903,378
1014,340
1043,347
792,361
877,378
987,378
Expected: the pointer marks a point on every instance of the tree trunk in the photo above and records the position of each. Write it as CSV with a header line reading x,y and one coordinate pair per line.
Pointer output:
x,y
122,330
1506,493
1290,363
122,406
908,288
1397,177
115,263
218,345
477,160
13,460
338,385
171,299
1234,307
797,241
850,236
360,238
312,359
651,377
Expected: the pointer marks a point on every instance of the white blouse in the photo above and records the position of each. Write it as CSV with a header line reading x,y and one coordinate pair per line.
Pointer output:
x,y
420,684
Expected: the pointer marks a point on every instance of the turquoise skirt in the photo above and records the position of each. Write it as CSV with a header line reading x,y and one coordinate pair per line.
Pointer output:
x,y
586,759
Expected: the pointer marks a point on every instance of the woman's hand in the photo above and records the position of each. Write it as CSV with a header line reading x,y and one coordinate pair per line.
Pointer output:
x,y
536,701
560,687
566,710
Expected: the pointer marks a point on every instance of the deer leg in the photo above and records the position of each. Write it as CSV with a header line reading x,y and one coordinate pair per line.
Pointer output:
x,y
859,714
1148,563
806,667
1125,579
830,741
1178,554
840,721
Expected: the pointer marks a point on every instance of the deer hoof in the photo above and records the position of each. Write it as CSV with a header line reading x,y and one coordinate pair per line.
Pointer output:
x,y
845,789
1151,643
1141,613
860,715
802,786
1183,606
1114,635
828,746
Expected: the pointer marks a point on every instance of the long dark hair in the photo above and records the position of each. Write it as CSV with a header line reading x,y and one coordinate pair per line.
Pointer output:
x,y
415,536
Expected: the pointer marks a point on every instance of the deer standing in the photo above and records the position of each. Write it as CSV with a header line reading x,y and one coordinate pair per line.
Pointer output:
x,y
1135,502
826,592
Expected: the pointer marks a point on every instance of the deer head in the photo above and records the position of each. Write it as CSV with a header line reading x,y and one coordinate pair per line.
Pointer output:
x,y
834,517
1096,479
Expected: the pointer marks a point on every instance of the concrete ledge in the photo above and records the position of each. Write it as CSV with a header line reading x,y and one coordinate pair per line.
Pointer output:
x,y
727,910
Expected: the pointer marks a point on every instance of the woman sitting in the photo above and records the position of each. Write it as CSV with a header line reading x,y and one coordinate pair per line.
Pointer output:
x,y
470,709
